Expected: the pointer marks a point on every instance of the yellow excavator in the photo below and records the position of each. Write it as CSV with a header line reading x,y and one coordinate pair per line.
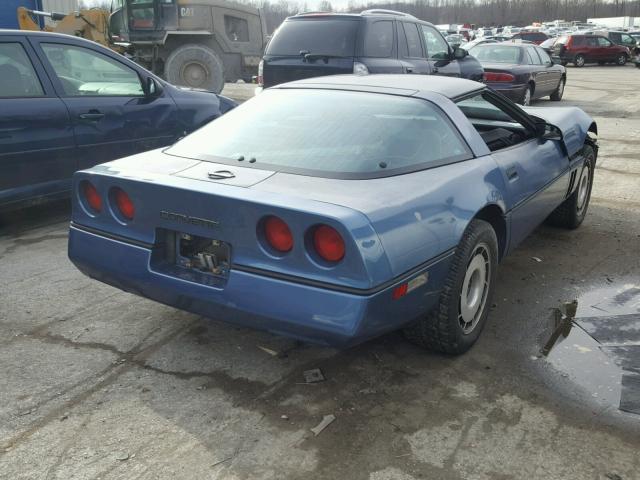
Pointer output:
x,y
92,24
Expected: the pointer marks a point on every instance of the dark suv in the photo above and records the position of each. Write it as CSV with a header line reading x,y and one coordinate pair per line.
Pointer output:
x,y
582,49
374,41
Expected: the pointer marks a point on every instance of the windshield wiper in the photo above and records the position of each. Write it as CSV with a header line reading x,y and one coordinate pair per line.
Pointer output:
x,y
308,56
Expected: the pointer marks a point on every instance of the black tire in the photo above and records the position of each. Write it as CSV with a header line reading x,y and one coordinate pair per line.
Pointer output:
x,y
557,95
195,66
601,62
579,61
564,63
621,60
526,100
571,213
443,329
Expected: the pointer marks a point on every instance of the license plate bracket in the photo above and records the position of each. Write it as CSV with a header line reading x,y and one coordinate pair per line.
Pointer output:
x,y
203,254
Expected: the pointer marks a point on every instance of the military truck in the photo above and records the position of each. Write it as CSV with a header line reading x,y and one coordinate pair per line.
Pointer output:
x,y
194,43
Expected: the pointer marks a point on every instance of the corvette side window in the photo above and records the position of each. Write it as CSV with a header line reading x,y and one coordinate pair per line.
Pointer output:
x,y
496,127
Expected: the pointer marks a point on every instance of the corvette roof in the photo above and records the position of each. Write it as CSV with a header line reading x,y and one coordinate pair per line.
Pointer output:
x,y
449,87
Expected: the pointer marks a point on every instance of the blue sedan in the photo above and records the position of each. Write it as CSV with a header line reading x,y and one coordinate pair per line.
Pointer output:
x,y
339,208
67,104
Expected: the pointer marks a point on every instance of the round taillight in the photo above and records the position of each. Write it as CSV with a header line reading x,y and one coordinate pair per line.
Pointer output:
x,y
124,203
328,243
278,235
91,195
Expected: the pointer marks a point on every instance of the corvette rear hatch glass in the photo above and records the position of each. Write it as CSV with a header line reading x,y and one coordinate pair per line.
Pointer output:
x,y
329,133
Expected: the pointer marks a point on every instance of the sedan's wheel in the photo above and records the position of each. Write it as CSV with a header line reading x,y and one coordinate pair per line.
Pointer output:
x,y
579,61
571,213
526,97
622,59
456,322
557,95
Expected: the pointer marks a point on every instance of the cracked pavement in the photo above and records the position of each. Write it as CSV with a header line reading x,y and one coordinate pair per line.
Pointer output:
x,y
98,383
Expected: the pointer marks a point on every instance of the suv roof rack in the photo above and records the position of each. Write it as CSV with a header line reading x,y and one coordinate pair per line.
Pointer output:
x,y
381,11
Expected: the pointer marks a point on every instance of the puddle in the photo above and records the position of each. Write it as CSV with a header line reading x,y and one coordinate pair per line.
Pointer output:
x,y
596,344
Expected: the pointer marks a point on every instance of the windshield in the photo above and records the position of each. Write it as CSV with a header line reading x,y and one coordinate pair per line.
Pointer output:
x,y
496,53
319,36
329,133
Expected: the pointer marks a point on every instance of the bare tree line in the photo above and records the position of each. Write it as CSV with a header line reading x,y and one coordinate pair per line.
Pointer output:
x,y
479,12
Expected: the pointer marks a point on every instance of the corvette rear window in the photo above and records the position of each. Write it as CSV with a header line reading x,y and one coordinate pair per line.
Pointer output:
x,y
329,133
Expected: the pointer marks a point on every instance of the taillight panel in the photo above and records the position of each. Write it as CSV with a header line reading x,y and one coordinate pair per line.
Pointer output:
x,y
328,244
90,197
122,205
498,77
276,234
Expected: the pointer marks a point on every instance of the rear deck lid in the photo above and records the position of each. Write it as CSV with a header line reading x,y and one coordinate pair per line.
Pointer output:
x,y
311,46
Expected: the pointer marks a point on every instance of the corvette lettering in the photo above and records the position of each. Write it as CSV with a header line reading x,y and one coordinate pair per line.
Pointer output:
x,y
181,218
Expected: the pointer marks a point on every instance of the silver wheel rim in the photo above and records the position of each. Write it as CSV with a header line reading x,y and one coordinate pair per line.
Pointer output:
x,y
583,187
580,61
527,97
622,60
561,88
475,289
195,74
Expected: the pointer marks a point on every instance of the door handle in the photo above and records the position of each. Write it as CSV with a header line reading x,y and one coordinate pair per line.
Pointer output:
x,y
91,116
512,173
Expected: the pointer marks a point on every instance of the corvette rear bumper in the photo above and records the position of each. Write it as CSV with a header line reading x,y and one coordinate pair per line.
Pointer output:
x,y
306,312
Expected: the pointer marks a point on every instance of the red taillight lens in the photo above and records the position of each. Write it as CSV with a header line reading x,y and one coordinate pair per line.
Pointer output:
x,y
278,235
91,195
124,203
498,77
328,243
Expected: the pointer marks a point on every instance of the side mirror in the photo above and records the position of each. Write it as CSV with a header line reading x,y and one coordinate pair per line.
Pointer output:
x,y
151,87
459,53
546,131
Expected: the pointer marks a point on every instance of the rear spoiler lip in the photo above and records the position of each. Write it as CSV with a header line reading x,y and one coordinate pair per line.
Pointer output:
x,y
286,277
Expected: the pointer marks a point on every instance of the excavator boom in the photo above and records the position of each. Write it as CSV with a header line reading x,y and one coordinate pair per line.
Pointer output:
x,y
92,24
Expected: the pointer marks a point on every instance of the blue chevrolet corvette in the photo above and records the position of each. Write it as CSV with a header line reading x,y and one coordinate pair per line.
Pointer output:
x,y
339,208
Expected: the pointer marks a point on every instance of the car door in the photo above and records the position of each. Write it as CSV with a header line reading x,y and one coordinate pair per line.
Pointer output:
x,y
410,50
552,71
380,52
111,115
535,171
439,53
37,150
607,50
538,72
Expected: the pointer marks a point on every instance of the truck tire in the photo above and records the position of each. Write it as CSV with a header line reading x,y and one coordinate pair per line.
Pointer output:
x,y
455,324
195,66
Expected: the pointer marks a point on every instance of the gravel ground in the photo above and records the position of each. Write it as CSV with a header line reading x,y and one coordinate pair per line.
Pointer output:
x,y
97,383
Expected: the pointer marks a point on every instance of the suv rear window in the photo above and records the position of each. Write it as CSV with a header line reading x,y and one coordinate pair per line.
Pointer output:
x,y
322,36
329,133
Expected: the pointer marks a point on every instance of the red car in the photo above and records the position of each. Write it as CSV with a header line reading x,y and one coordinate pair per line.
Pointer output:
x,y
582,49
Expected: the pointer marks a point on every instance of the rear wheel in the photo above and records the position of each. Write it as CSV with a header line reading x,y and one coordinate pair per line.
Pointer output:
x,y
621,59
455,324
557,95
195,66
570,214
526,96
579,61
